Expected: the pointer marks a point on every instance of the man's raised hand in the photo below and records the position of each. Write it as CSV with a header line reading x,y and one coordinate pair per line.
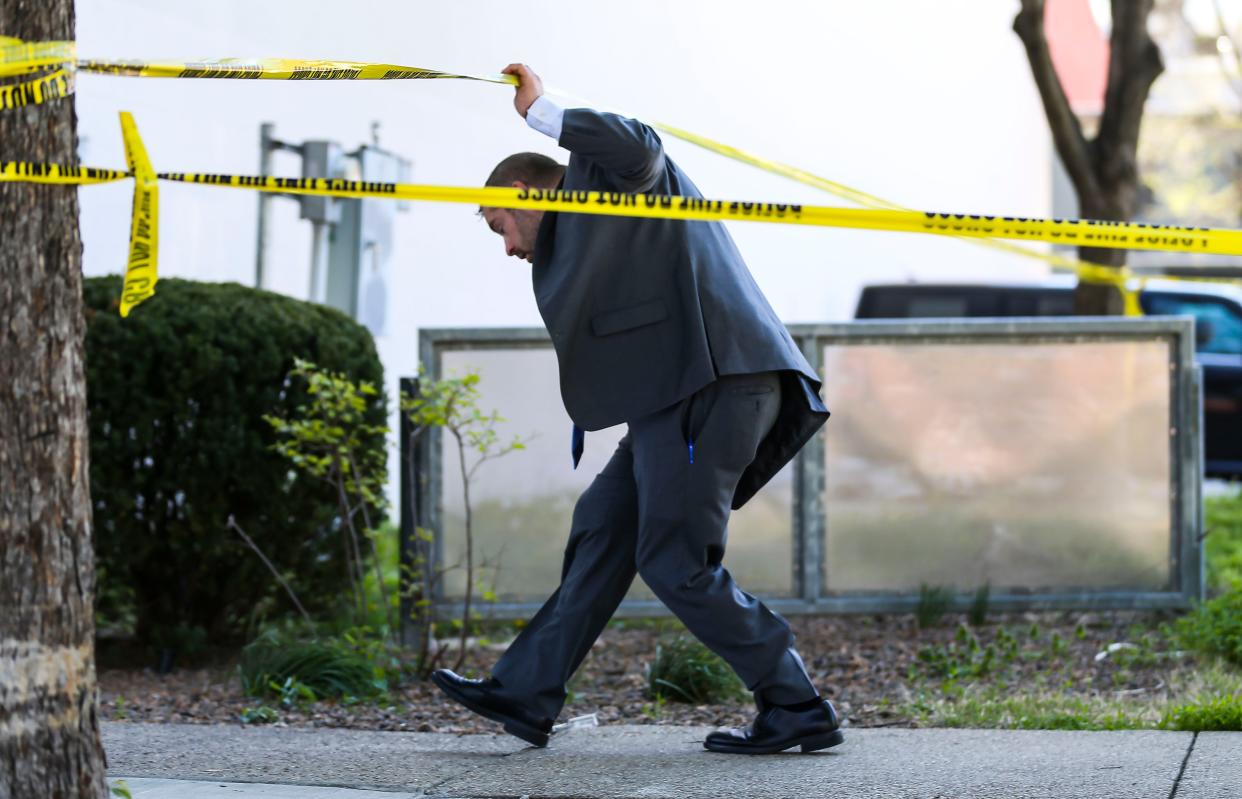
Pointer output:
x,y
529,87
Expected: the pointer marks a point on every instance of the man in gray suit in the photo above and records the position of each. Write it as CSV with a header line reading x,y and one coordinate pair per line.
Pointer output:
x,y
656,323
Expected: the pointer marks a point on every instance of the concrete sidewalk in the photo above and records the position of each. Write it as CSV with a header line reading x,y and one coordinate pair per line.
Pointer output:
x,y
177,761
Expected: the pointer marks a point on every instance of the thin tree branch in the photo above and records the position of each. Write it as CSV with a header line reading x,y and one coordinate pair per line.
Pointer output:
x,y
1134,64
366,519
233,525
1067,133
465,486
352,537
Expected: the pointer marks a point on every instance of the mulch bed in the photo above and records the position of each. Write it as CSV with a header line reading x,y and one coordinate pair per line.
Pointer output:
x,y
863,663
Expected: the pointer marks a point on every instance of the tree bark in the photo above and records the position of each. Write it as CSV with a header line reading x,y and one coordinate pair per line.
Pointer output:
x,y
1104,169
49,728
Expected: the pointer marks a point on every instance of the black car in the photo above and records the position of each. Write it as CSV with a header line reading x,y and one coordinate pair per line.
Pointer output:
x,y
1217,309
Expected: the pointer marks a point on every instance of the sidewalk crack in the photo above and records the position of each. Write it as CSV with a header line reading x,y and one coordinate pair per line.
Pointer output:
x,y
1185,761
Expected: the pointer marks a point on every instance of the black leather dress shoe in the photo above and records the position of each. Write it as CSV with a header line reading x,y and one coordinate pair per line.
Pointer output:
x,y
480,696
775,729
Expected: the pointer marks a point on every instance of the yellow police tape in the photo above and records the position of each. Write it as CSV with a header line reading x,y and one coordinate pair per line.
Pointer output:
x,y
338,70
1086,271
57,174
33,92
294,69
276,69
141,270
19,58
1088,233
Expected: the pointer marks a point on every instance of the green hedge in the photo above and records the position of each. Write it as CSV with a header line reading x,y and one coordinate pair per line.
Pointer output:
x,y
177,393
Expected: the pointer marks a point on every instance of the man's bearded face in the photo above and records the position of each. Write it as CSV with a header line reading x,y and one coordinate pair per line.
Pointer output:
x,y
517,227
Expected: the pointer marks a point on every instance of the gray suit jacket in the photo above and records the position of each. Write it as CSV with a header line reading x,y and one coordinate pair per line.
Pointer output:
x,y
645,312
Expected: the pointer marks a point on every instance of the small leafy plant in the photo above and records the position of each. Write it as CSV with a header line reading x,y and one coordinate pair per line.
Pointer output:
x,y
261,714
686,671
293,692
298,671
1214,627
961,658
450,404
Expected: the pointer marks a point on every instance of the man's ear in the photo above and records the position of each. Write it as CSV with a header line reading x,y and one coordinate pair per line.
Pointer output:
x,y
519,184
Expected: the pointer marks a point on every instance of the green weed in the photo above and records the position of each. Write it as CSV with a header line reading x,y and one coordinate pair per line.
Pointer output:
x,y
686,671
978,614
933,604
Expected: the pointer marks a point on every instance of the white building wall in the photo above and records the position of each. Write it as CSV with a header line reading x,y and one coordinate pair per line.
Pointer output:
x,y
927,104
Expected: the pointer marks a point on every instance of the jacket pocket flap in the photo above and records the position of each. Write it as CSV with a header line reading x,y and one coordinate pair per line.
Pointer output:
x,y
605,324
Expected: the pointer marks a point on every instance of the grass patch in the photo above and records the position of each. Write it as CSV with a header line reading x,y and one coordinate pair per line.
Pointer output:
x,y
1219,714
994,707
686,671
1198,696
1224,542
1205,697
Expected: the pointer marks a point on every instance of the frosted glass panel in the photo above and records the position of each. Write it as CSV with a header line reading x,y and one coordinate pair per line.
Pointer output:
x,y
523,502
1032,466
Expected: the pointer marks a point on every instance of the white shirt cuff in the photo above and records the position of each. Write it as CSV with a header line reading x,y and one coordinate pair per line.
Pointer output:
x,y
546,117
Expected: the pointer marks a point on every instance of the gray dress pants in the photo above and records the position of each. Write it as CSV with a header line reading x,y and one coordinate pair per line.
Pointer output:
x,y
660,509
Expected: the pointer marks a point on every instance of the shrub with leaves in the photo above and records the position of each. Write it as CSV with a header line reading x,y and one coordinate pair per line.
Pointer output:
x,y
325,438
684,670
177,392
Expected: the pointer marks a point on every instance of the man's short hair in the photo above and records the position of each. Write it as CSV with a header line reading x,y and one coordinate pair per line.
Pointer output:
x,y
531,168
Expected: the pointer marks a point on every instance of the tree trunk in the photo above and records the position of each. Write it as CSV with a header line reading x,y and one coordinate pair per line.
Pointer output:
x,y
1100,299
1104,170
49,728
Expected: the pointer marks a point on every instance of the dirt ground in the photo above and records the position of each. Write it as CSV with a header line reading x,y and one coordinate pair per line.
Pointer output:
x,y
868,665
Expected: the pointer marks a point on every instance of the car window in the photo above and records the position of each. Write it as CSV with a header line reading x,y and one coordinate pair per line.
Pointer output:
x,y
1056,304
1226,323
937,306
